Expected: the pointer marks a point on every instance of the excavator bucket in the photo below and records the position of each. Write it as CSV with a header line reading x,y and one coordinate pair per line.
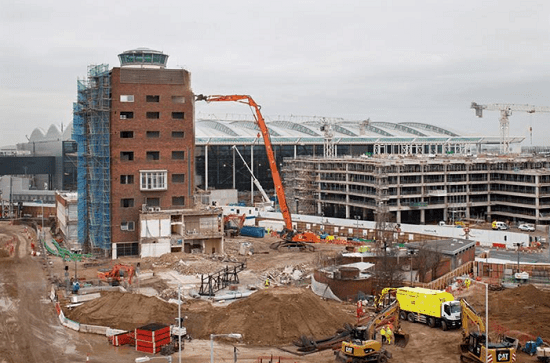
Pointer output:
x,y
401,340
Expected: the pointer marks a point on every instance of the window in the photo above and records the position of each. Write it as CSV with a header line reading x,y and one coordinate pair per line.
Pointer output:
x,y
177,115
153,134
178,134
126,134
178,178
178,201
153,202
151,98
126,179
178,155
153,155
127,226
126,155
126,115
153,115
178,99
127,203
153,180
126,98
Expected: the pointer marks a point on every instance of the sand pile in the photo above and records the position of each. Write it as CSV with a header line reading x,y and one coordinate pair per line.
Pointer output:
x,y
275,316
124,311
521,312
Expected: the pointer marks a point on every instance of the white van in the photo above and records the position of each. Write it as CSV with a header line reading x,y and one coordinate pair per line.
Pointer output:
x,y
500,226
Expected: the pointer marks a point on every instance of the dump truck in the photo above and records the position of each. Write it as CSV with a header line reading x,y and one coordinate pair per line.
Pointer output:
x,y
432,307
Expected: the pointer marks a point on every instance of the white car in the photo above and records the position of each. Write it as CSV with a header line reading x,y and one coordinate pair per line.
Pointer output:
x,y
526,227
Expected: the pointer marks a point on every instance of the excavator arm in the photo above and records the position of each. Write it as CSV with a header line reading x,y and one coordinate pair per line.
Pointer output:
x,y
277,181
469,314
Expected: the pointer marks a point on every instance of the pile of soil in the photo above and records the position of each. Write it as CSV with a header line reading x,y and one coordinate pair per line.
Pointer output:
x,y
124,311
275,316
522,312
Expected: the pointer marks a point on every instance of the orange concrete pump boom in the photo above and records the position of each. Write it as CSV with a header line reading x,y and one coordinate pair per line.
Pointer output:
x,y
277,182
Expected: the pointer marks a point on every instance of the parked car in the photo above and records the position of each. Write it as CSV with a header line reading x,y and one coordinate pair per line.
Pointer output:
x,y
526,227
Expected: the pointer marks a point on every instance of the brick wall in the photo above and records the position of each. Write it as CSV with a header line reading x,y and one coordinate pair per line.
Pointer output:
x,y
142,83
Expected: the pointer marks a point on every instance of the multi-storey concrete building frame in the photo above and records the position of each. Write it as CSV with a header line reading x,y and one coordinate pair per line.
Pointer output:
x,y
424,189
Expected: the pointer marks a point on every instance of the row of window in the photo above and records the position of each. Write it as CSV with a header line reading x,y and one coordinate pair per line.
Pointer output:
x,y
177,201
151,115
151,155
153,179
151,134
152,98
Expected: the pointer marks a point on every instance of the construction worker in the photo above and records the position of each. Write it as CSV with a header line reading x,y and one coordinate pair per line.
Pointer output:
x,y
389,334
383,334
266,283
467,283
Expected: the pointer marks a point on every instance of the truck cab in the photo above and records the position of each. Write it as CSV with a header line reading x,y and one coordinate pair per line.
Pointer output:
x,y
450,314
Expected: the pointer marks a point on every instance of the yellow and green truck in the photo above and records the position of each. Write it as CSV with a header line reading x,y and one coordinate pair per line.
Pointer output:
x,y
432,307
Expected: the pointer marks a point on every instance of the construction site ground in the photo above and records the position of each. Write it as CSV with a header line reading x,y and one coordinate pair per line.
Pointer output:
x,y
269,319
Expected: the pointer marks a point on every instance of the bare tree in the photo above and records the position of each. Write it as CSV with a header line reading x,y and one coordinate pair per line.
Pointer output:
x,y
428,260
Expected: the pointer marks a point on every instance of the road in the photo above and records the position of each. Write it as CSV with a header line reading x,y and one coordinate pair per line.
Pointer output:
x,y
512,256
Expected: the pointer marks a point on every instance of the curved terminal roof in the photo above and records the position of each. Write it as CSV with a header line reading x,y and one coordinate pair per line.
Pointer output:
x,y
231,129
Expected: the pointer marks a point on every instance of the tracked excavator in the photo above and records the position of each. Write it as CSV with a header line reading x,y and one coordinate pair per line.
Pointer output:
x,y
362,345
474,347
291,238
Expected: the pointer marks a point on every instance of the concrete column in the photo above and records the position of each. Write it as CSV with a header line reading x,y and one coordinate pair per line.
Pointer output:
x,y
234,180
347,193
205,167
398,216
251,178
422,216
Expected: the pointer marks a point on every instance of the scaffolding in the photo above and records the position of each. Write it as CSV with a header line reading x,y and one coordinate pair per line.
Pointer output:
x,y
91,133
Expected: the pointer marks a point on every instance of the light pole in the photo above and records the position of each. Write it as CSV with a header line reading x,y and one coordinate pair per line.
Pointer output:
x,y
412,253
518,245
486,316
212,336
42,205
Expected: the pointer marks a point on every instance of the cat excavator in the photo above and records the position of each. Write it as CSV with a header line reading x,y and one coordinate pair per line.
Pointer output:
x,y
362,345
291,238
474,347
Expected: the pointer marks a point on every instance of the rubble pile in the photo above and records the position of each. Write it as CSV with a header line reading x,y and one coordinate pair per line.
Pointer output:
x,y
286,275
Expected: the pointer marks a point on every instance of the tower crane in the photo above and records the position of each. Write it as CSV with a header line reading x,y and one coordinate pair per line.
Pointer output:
x,y
506,111
291,238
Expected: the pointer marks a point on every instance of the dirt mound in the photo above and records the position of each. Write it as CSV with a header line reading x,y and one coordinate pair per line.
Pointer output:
x,y
522,312
124,311
276,316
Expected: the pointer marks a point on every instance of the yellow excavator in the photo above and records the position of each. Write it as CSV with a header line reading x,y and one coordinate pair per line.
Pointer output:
x,y
362,345
474,347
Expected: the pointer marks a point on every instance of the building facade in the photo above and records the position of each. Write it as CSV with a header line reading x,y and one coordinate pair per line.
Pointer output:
x,y
424,189
135,134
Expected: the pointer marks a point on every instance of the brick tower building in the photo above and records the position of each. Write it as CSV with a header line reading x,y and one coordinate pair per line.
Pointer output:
x,y
147,125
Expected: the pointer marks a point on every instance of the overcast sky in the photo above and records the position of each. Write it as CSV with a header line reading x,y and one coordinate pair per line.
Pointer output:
x,y
396,61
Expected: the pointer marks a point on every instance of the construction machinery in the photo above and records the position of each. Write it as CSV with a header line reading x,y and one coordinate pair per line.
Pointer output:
x,y
475,348
233,223
362,345
117,273
418,304
291,238
505,111
268,204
